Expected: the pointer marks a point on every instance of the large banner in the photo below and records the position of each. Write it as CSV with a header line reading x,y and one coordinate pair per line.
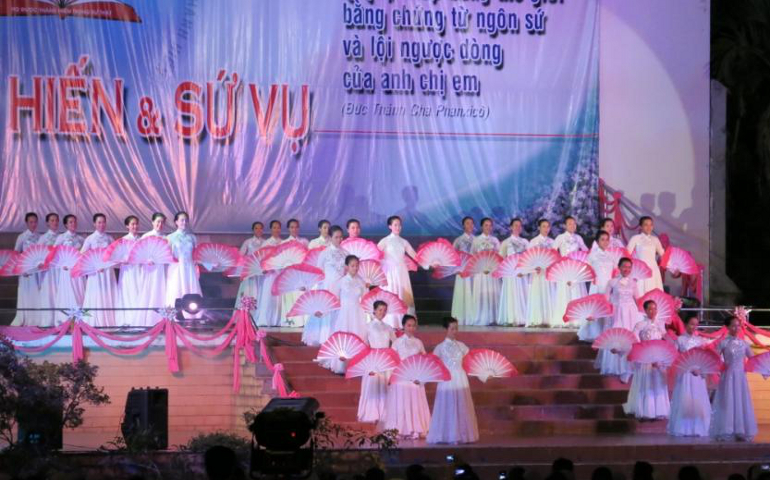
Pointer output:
x,y
243,110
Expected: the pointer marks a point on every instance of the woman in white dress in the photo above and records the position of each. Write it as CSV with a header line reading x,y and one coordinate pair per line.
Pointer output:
x,y
182,276
29,289
153,287
690,404
332,262
621,291
540,290
566,243
608,225
394,264
251,286
374,387
268,305
49,279
454,416
407,405
603,264
130,282
101,287
290,298
513,297
486,288
462,295
324,235
648,395
69,291
646,247
351,317
733,411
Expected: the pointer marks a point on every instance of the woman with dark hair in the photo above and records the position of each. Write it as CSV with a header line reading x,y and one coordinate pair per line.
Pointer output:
x,y
129,281
454,416
407,405
101,287
153,287
69,290
733,411
28,292
395,248
183,274
462,294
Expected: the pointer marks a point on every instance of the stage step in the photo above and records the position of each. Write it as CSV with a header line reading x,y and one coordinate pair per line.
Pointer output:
x,y
558,391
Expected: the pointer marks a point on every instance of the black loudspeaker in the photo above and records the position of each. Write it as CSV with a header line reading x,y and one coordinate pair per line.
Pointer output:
x,y
41,429
147,413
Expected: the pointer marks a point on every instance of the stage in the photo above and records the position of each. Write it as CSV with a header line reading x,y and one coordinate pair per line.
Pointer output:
x,y
558,406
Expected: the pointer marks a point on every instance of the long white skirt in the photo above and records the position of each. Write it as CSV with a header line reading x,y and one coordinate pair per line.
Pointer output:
x,y
690,407
400,284
153,294
454,416
49,283
407,410
268,305
69,294
27,297
100,293
513,302
733,411
374,395
317,330
128,296
462,300
181,279
538,301
287,302
609,363
351,318
486,299
565,294
656,281
648,395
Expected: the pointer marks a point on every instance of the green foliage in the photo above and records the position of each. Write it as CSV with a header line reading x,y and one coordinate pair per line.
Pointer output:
x,y
28,388
202,442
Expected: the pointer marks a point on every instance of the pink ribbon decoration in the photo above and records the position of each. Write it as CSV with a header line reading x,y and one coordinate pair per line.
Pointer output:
x,y
77,343
172,355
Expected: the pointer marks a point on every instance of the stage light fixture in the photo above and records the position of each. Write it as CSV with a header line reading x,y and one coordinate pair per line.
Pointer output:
x,y
191,303
282,438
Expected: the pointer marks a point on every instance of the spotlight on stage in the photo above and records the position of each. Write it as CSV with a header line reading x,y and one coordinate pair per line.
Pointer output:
x,y
190,303
282,442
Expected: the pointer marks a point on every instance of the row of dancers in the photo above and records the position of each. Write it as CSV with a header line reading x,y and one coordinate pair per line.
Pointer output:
x,y
689,410
137,286
481,299
403,406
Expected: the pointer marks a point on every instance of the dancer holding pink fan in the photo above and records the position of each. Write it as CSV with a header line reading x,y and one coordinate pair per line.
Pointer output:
x,y
182,274
486,288
733,411
101,287
394,249
462,295
690,404
153,293
603,263
648,395
28,292
539,308
454,416
374,385
407,405
513,296
646,247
